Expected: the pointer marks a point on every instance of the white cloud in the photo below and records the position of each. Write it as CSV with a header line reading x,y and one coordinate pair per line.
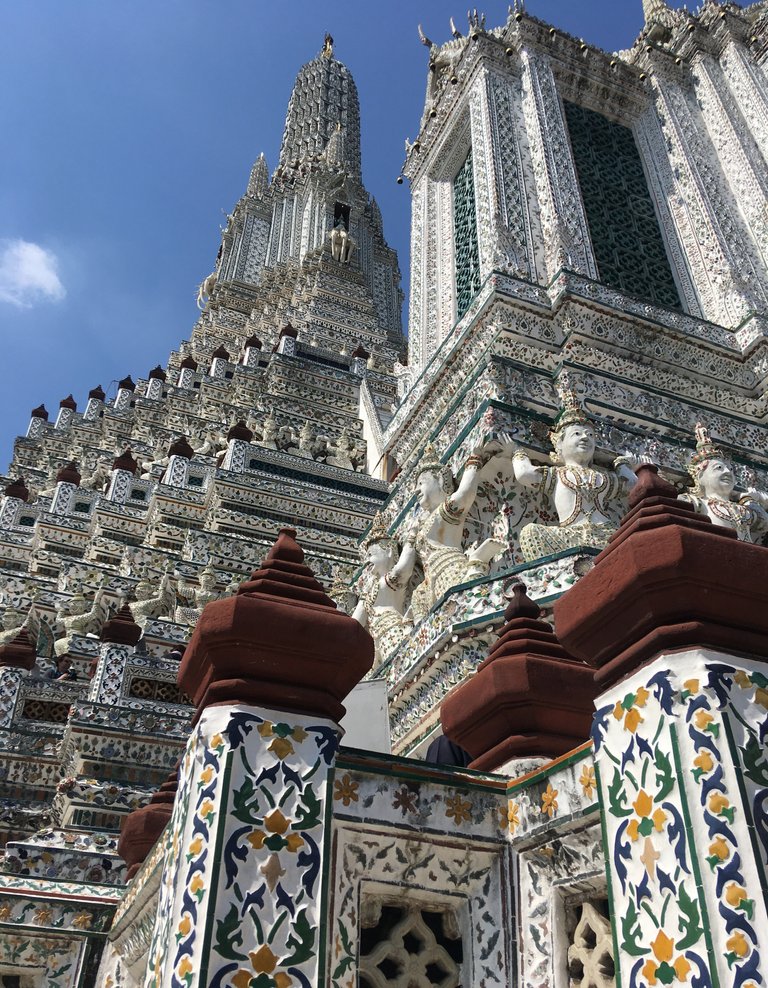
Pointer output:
x,y
28,274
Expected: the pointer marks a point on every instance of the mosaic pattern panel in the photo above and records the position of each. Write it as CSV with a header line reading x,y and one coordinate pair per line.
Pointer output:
x,y
465,237
626,238
687,846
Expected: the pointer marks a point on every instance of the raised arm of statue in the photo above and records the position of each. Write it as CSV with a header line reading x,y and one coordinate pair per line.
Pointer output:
x,y
525,472
462,499
360,614
757,501
400,573
626,466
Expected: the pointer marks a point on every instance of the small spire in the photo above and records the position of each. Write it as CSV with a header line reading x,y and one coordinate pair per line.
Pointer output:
x,y
327,51
258,183
181,447
650,10
658,12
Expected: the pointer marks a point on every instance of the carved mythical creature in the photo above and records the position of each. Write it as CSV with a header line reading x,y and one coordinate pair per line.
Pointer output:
x,y
307,444
206,288
190,606
341,454
152,600
214,442
98,479
437,530
583,494
342,244
77,617
382,588
442,65
712,494
267,431
150,463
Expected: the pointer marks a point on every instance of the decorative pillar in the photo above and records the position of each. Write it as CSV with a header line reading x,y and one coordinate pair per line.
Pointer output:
x,y
748,85
564,225
252,351
124,398
219,362
67,482
736,287
737,153
16,494
179,455
238,438
187,371
38,418
287,342
528,700
674,616
17,657
155,382
119,636
359,360
243,881
67,409
124,468
95,407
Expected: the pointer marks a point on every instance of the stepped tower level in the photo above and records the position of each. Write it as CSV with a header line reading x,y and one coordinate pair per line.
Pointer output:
x,y
589,249
122,516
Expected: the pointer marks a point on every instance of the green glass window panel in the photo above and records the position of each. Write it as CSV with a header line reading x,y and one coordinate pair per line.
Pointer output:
x,y
465,237
629,248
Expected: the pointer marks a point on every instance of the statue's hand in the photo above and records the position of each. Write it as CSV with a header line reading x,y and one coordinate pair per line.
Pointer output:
x,y
503,445
631,460
507,446
760,496
412,531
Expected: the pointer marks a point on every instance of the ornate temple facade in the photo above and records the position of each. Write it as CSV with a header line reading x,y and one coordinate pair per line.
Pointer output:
x,y
540,522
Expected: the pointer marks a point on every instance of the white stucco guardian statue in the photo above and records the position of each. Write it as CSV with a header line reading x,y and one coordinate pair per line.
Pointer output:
x,y
77,617
583,494
712,493
382,588
438,529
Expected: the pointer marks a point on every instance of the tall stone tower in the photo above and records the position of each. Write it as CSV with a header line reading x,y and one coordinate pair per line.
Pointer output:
x,y
588,231
120,519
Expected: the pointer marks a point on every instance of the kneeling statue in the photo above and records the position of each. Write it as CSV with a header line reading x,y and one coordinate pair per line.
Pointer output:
x,y
438,529
583,494
712,493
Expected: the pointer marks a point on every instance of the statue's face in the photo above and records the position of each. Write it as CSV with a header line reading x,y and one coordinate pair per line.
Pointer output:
x,y
143,592
78,605
380,557
577,444
207,581
717,479
430,489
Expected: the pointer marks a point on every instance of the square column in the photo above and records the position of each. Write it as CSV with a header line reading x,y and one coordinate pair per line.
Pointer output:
x,y
242,886
683,778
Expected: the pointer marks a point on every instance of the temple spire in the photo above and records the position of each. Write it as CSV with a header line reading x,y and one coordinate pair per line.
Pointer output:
x,y
659,12
259,180
324,96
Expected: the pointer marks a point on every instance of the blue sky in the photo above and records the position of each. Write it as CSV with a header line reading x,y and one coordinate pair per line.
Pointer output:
x,y
129,127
